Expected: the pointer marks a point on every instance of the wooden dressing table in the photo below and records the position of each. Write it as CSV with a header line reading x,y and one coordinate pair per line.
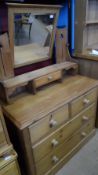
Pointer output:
x,y
50,112
52,125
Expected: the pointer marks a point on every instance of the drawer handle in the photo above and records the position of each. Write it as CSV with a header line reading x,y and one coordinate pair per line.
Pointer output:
x,y
53,123
55,159
50,78
86,101
6,157
83,134
85,118
54,142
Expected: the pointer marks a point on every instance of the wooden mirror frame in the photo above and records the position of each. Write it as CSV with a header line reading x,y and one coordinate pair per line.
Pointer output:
x,y
28,8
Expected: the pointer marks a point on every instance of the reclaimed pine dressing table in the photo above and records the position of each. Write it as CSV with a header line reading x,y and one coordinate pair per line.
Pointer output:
x,y
52,112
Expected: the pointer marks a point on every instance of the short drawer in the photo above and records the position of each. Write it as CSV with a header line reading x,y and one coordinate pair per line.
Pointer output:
x,y
49,123
82,102
47,78
50,143
53,158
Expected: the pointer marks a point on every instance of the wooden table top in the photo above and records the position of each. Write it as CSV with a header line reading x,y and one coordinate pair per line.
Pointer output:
x,y
31,108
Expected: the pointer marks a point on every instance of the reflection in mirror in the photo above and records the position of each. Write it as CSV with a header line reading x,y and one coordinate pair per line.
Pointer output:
x,y
32,37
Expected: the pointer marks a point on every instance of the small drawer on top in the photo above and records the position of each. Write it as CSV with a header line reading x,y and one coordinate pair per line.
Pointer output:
x,y
47,78
49,123
82,102
52,159
51,142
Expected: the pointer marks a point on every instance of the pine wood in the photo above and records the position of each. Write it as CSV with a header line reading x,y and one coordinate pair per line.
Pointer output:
x,y
10,169
25,144
43,127
48,78
4,162
11,87
1,67
8,162
78,104
5,149
66,158
24,78
44,147
29,117
46,164
86,27
89,68
48,100
86,56
4,138
9,166
62,53
6,65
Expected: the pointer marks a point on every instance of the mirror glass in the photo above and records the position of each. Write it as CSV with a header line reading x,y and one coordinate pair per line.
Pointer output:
x,y
32,37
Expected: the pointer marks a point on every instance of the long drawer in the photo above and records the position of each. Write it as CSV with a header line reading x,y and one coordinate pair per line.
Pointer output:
x,y
52,159
82,102
53,141
70,154
49,123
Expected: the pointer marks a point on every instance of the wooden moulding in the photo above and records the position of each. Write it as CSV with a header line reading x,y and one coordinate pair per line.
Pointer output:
x,y
6,64
62,51
4,127
16,86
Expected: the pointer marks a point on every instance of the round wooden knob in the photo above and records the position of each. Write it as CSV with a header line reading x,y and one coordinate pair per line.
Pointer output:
x,y
54,142
53,123
55,159
50,78
83,134
85,118
86,101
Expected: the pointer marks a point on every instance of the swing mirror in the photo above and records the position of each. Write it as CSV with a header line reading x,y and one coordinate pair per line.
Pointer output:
x,y
31,31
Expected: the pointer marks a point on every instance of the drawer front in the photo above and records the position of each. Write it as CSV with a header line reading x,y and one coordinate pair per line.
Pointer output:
x,y
82,102
48,78
50,143
10,169
49,123
52,159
